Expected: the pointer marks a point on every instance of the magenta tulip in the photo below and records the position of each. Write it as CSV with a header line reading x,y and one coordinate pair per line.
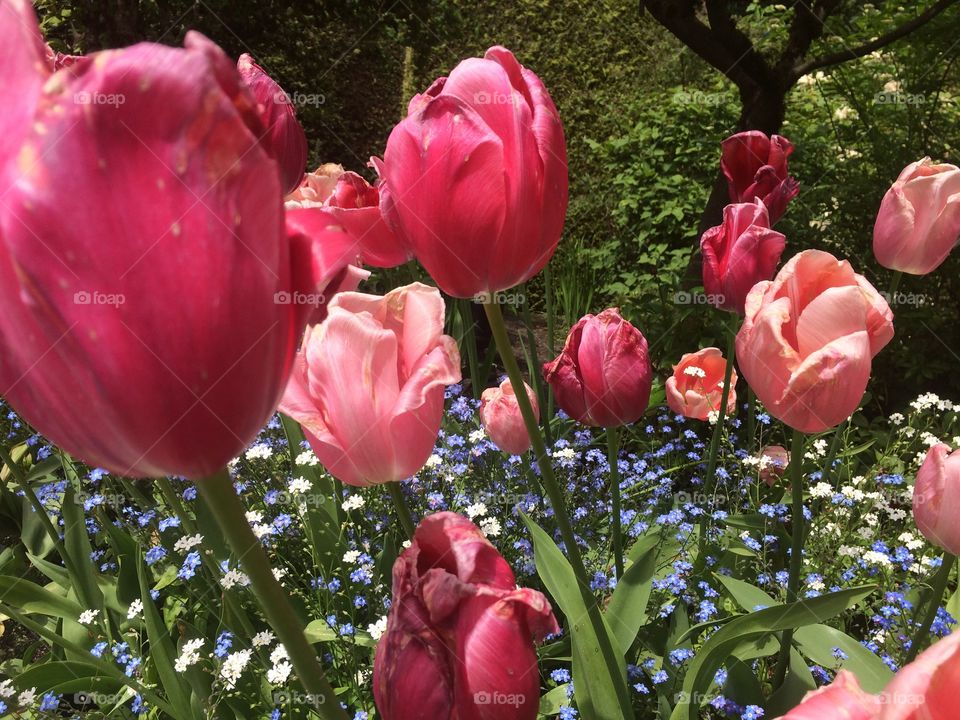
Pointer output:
x,y
926,689
476,176
773,463
603,375
919,219
460,636
696,387
738,254
282,136
936,498
355,204
367,385
808,340
756,169
142,252
502,420
843,699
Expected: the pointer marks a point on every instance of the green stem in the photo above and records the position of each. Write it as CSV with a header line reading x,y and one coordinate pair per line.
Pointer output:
x,y
403,512
31,496
611,657
533,367
551,329
710,479
796,550
613,451
470,341
894,284
217,490
751,417
936,595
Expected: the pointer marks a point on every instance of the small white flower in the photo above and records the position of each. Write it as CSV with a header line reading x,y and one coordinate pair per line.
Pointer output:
x,y
871,557
694,371
279,573
27,697
490,527
254,516
306,458
566,453
189,655
233,666
821,490
713,416
88,616
299,486
477,436
378,628
891,86
232,578
261,451
262,639
279,653
6,688
433,461
135,609
354,502
896,419
187,542
476,510
351,556
844,112
279,673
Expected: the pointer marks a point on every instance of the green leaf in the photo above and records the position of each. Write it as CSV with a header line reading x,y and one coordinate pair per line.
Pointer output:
x,y
817,643
749,628
31,598
161,651
318,631
597,690
796,684
627,611
553,700
77,544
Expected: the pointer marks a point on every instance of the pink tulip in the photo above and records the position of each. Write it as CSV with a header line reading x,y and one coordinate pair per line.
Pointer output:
x,y
476,176
367,384
738,254
355,204
843,699
58,60
603,375
459,643
773,463
756,168
501,418
283,137
808,339
919,219
926,689
696,387
936,498
142,253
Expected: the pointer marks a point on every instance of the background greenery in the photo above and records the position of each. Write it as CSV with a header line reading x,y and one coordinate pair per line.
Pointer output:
x,y
644,119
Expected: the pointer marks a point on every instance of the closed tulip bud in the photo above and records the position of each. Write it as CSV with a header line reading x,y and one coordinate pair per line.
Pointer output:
x,y
459,643
773,463
842,699
355,204
755,166
368,383
936,498
926,689
130,334
283,137
476,176
738,254
603,375
808,340
919,219
502,420
696,387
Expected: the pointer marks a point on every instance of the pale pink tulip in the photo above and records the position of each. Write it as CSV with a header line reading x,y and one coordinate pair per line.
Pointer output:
x,y
843,699
919,219
738,254
696,387
808,340
476,176
926,689
936,498
502,420
143,255
368,383
460,636
773,463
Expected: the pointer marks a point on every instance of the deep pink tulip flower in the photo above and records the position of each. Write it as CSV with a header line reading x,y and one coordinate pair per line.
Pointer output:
x,y
738,254
842,699
143,255
367,385
755,166
460,636
936,498
603,375
283,136
773,463
808,339
502,420
355,204
919,219
476,176
696,387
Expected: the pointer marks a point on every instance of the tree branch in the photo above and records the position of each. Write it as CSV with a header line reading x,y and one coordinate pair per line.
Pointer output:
x,y
867,48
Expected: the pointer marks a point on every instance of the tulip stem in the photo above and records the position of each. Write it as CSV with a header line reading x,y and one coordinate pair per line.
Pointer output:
x,y
217,490
751,417
38,507
613,459
894,284
403,512
796,550
612,658
936,595
551,348
710,479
